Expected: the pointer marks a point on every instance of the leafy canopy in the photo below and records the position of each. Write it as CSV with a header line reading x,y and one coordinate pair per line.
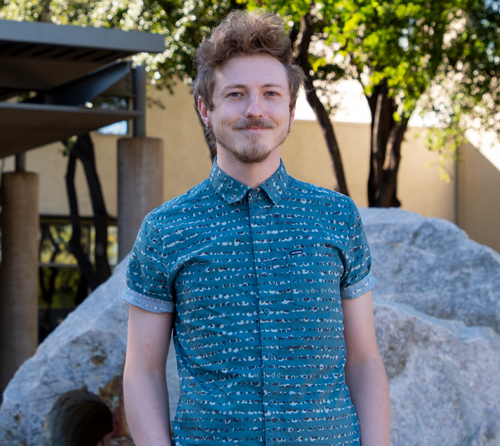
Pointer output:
x,y
441,58
438,58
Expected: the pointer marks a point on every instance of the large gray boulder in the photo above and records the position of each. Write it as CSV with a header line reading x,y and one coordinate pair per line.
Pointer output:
x,y
431,265
444,378
70,391
436,311
77,369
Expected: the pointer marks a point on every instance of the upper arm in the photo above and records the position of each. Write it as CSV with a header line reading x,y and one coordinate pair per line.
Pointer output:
x,y
359,329
148,340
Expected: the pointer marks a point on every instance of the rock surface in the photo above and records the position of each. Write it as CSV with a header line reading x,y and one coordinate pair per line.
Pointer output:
x,y
444,378
437,313
85,352
431,265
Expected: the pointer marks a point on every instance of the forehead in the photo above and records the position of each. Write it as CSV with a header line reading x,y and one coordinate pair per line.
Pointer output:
x,y
251,71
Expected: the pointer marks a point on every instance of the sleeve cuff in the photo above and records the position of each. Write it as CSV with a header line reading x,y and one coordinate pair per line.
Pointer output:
x,y
146,302
359,288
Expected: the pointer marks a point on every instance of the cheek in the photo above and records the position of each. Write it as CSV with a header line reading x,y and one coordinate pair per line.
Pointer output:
x,y
282,114
219,126
227,118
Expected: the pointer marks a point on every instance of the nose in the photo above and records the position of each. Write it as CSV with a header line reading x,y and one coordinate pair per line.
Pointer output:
x,y
254,109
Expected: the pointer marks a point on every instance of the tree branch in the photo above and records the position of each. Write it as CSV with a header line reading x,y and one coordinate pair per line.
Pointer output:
x,y
76,234
302,52
85,151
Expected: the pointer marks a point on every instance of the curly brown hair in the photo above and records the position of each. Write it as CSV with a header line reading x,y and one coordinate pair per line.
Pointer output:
x,y
241,34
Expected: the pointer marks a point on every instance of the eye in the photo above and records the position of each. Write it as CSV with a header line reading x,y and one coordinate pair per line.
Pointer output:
x,y
272,94
234,94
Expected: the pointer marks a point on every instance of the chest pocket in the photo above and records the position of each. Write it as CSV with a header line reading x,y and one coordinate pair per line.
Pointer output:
x,y
315,278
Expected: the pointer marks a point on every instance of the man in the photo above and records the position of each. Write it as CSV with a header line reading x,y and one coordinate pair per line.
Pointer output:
x,y
264,280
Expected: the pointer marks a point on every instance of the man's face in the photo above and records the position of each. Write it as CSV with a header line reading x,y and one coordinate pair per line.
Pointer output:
x,y
251,116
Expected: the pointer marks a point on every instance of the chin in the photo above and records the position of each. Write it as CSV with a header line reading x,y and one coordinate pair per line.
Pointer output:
x,y
252,155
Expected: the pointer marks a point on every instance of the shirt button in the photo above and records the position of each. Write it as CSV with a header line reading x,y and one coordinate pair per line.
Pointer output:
x,y
267,311
253,194
272,402
270,356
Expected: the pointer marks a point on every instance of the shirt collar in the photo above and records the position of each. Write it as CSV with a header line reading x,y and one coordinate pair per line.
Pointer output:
x,y
232,190
276,185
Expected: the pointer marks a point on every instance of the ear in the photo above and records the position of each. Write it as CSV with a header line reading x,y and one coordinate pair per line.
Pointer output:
x,y
203,111
292,114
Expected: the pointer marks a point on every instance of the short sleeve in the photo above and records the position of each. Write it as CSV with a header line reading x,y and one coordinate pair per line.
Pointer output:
x,y
357,278
148,286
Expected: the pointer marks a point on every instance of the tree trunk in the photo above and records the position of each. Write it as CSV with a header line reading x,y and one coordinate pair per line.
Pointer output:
x,y
87,157
385,149
84,151
47,282
301,59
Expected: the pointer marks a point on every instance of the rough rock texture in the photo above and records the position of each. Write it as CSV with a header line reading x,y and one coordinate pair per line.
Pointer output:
x,y
85,352
444,375
444,378
433,266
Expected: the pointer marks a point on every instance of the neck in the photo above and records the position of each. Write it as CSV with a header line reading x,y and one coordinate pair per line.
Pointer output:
x,y
250,174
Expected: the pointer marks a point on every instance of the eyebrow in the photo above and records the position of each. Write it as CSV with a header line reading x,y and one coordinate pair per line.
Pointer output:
x,y
227,87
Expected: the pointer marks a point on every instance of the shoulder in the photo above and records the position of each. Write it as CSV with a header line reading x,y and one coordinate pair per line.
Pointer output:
x,y
174,210
314,194
197,194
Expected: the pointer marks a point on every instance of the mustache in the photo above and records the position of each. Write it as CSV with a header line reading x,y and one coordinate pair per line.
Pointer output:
x,y
251,123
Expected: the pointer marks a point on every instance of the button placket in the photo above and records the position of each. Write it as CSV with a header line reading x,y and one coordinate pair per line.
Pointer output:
x,y
270,354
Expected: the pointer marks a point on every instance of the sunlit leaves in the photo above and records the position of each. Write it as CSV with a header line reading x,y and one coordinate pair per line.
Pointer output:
x,y
448,46
411,45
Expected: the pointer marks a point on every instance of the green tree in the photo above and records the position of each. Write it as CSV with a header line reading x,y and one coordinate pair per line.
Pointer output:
x,y
410,57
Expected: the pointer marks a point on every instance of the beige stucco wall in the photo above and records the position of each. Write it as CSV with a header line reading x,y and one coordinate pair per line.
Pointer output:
x,y
50,163
479,197
187,159
187,162
420,188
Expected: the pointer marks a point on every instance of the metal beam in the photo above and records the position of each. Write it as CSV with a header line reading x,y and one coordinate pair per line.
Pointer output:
x,y
66,66
28,126
85,88
42,33
21,163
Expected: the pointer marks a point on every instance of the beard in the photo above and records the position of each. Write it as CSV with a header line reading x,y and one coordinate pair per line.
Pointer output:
x,y
254,152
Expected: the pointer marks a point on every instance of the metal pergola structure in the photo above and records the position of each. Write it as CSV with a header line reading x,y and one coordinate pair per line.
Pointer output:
x,y
48,75
57,70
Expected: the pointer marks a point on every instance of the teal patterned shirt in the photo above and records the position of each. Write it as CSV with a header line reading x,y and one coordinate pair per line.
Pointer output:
x,y
255,278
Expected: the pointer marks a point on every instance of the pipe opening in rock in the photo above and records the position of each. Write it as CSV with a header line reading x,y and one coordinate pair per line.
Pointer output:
x,y
79,418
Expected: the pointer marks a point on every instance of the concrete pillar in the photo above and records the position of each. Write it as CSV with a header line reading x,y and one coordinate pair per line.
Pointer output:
x,y
140,186
19,272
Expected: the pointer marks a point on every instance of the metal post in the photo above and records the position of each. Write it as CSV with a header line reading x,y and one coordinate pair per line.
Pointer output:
x,y
139,88
21,163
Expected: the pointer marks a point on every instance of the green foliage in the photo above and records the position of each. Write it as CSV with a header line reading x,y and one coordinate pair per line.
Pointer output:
x,y
60,277
424,50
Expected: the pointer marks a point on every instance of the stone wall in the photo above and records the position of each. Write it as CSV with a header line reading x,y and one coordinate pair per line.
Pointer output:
x,y
437,316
